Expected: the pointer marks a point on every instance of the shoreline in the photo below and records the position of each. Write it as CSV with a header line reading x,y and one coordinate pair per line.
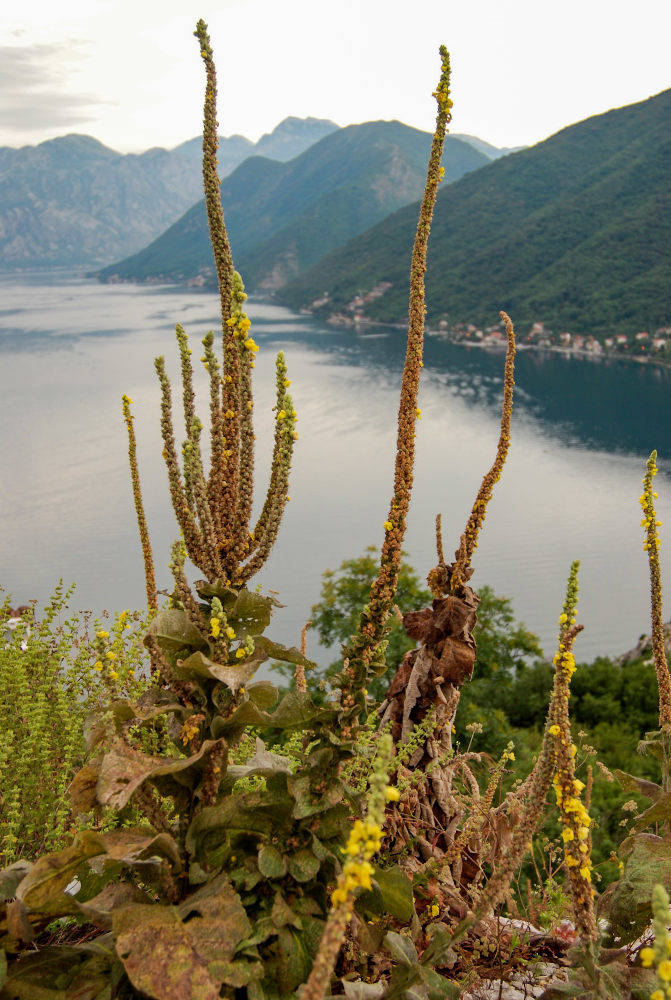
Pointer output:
x,y
359,327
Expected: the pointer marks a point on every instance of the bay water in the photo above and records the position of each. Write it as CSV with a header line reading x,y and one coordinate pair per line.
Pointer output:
x,y
582,430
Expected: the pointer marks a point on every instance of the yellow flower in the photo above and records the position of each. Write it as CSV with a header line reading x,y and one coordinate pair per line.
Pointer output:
x,y
240,653
658,995
434,909
110,654
647,957
215,627
392,794
98,665
387,525
230,633
664,970
567,834
554,730
114,675
419,413
585,872
102,634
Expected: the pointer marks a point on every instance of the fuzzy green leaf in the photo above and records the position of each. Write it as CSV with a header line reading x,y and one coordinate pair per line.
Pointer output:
x,y
173,960
309,802
174,630
401,948
648,863
234,676
250,613
264,762
43,888
396,889
303,865
272,864
263,694
124,769
631,783
658,812
439,988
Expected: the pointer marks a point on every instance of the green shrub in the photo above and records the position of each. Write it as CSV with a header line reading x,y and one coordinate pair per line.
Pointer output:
x,y
53,673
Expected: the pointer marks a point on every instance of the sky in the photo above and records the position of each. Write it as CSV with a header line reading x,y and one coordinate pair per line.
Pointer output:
x,y
128,72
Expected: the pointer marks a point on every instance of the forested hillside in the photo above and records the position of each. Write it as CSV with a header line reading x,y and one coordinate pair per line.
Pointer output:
x,y
573,232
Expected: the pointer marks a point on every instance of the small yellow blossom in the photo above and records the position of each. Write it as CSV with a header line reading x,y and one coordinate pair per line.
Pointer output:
x,y
98,665
102,634
387,525
392,794
114,675
554,730
240,653
434,909
647,957
664,970
215,627
110,654
230,632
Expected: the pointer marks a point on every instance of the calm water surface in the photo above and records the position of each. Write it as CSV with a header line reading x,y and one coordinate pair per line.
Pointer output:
x,y
581,433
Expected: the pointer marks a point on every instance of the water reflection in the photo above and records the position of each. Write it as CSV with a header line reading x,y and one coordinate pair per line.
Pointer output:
x,y
581,432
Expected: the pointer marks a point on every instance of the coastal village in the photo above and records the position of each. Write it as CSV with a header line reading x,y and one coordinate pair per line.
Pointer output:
x,y
642,345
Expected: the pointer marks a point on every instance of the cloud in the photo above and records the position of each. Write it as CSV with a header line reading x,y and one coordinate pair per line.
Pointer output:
x,y
33,89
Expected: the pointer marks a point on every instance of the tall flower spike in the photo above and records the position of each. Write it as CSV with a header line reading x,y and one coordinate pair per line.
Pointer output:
x,y
362,649
651,546
228,471
265,532
524,807
364,840
149,575
575,819
214,511
461,570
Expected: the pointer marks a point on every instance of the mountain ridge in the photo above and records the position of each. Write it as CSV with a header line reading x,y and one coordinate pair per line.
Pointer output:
x,y
73,201
282,217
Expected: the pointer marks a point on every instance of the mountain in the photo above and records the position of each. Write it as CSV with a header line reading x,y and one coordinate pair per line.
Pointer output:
x,y
283,217
491,152
74,201
573,232
292,136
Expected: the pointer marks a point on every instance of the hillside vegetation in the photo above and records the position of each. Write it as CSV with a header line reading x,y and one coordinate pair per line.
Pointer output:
x,y
282,218
573,232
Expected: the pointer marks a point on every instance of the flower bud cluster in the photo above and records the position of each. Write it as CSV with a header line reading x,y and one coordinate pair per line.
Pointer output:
x,y
110,650
365,837
647,502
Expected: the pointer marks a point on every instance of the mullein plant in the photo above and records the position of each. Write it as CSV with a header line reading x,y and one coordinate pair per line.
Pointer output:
x,y
430,677
646,856
218,891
